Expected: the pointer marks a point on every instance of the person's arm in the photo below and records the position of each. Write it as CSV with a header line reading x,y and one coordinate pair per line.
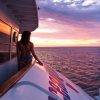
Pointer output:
x,y
34,55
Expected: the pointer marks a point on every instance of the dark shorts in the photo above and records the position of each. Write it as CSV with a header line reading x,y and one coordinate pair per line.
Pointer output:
x,y
24,61
26,58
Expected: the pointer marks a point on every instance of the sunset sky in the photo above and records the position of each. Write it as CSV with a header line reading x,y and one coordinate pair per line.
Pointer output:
x,y
68,23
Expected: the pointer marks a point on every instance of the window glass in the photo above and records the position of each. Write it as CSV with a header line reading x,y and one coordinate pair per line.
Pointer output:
x,y
4,53
4,42
4,47
14,41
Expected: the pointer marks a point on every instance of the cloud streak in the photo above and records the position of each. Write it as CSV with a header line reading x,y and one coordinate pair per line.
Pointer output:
x,y
79,12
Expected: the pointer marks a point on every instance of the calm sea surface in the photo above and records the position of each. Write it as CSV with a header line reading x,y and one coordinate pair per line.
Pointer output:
x,y
80,64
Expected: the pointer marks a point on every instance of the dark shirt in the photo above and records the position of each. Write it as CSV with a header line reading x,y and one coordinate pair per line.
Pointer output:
x,y
24,53
24,50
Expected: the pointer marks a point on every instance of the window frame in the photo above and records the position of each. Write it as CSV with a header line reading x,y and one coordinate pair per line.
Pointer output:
x,y
10,33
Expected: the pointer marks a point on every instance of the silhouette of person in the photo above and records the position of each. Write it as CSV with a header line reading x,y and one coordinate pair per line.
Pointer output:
x,y
25,50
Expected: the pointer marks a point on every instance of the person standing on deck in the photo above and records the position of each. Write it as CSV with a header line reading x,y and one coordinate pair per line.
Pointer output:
x,y
25,50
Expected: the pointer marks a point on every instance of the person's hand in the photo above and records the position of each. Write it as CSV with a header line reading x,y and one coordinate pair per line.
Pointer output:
x,y
40,63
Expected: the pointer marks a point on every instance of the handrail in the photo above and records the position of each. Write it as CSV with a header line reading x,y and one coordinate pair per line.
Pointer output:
x,y
14,79
38,87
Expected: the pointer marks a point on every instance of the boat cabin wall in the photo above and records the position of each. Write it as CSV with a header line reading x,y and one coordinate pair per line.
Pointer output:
x,y
8,38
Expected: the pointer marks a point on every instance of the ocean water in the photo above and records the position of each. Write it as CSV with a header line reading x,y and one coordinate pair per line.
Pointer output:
x,y
79,64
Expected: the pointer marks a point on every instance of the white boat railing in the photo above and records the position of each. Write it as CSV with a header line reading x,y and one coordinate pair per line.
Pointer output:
x,y
38,87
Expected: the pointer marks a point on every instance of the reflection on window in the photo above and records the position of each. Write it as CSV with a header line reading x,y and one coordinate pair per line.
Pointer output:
x,y
4,53
4,28
4,42
4,38
4,47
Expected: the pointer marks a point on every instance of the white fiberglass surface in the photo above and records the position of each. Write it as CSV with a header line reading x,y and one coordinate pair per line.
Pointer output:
x,y
36,84
33,85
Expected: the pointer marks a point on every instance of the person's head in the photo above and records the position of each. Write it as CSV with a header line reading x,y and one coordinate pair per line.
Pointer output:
x,y
25,37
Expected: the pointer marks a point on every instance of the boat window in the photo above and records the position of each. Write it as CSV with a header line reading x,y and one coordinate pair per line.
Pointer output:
x,y
8,50
14,37
4,42
14,41
8,40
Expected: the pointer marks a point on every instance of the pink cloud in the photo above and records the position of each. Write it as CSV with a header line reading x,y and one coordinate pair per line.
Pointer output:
x,y
60,27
